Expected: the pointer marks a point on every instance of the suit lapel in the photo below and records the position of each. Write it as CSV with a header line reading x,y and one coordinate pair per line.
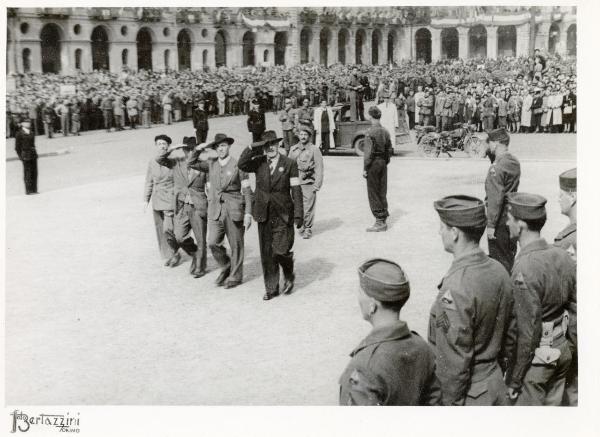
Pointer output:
x,y
229,170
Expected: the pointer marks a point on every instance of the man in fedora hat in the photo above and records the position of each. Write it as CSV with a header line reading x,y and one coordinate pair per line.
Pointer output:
x,y
229,206
190,203
277,205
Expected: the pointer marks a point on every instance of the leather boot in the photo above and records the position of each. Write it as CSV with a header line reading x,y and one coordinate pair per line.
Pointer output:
x,y
379,226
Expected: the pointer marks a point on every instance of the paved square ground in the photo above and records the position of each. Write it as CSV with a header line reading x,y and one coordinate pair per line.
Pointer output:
x,y
92,316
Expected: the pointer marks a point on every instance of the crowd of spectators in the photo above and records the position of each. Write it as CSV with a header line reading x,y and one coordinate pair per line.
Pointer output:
x,y
478,89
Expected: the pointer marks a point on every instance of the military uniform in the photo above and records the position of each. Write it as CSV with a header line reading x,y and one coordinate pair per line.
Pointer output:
x,y
256,123
469,320
503,178
200,120
544,287
378,151
392,365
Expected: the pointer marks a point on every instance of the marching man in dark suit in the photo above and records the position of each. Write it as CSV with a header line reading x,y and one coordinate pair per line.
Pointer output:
x,y
25,148
277,205
190,204
256,121
229,207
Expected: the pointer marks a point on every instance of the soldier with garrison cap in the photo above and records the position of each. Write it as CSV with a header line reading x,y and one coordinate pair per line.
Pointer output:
x,y
567,239
392,365
503,178
378,151
544,286
470,318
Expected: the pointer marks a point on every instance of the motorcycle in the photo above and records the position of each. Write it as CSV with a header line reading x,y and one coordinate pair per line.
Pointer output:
x,y
462,138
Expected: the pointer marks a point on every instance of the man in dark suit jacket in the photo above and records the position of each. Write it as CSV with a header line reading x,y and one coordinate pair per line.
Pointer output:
x,y
190,204
200,120
256,121
25,148
277,205
229,207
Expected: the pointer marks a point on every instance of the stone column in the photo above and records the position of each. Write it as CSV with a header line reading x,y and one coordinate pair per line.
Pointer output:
x,y
562,44
436,44
383,52
314,54
492,41
463,42
367,47
351,47
67,55
541,38
523,40
11,57
292,52
332,53
196,53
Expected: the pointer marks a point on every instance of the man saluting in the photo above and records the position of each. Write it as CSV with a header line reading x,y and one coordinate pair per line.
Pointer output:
x,y
277,205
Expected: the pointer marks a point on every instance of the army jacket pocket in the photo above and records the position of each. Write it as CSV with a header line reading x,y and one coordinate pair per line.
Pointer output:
x,y
546,356
477,389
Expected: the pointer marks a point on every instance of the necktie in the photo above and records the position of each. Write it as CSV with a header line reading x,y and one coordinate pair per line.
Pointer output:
x,y
272,165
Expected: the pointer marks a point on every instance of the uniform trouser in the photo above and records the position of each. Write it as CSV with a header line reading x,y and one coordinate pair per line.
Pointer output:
x,y
166,116
163,223
75,127
501,121
325,141
288,139
377,188
34,126
186,218
217,230
545,384
309,199
146,118
276,239
426,120
30,174
49,129
201,136
446,122
353,107
503,248
64,125
490,390
438,123
177,114
488,123
107,119
118,121
571,382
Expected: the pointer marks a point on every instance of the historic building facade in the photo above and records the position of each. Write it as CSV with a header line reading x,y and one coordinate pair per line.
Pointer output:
x,y
64,40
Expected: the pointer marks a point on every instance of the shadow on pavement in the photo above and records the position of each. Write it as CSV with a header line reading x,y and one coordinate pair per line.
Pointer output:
x,y
327,225
312,270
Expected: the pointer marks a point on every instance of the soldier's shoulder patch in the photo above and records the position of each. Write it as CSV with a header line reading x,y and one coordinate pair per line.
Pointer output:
x,y
572,252
448,300
493,170
442,321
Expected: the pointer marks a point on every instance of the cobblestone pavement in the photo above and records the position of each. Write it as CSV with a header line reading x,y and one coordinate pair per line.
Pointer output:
x,y
92,316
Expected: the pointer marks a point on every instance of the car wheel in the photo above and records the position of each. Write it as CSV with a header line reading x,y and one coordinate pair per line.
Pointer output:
x,y
359,146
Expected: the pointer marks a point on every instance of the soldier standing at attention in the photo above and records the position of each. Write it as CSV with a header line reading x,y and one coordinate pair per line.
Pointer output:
x,y
502,178
310,168
256,120
277,206
200,121
25,148
544,291
567,239
470,317
378,151
392,365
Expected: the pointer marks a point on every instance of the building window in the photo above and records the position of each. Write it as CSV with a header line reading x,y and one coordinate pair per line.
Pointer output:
x,y
204,33
26,60
77,29
166,31
124,56
124,30
266,56
78,59
24,28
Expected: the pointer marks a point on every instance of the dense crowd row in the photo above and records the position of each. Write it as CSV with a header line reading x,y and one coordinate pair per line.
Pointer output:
x,y
105,100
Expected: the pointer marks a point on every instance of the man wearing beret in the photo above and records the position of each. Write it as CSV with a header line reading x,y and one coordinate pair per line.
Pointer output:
x,y
567,239
277,206
503,178
189,203
470,317
392,365
310,169
544,290
377,154
229,207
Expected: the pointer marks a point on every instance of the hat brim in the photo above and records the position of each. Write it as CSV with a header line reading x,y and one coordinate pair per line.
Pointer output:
x,y
265,143
214,144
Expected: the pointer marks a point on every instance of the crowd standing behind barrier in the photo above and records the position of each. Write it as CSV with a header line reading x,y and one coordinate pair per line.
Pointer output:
x,y
539,93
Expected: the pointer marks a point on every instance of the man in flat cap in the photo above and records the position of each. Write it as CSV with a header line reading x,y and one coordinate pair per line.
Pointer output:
x,y
277,206
378,152
229,206
544,290
567,239
503,178
189,203
471,314
392,365
256,120
310,169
